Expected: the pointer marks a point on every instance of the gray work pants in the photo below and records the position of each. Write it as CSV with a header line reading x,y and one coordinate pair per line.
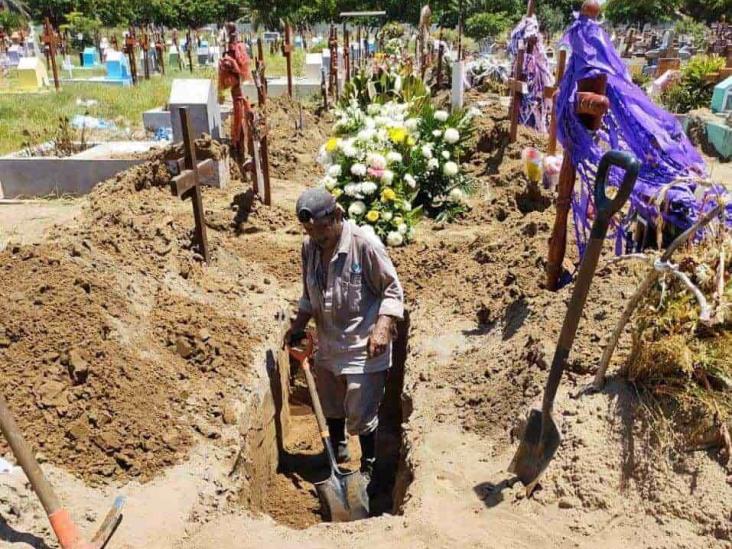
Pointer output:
x,y
355,397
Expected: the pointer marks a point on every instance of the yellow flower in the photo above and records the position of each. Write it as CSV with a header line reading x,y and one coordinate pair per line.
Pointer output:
x,y
372,216
387,195
336,192
411,141
331,145
397,135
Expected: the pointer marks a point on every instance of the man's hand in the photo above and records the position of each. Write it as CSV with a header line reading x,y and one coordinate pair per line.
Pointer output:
x,y
380,337
297,325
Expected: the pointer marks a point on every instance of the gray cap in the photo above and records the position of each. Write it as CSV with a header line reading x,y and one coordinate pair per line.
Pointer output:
x,y
315,204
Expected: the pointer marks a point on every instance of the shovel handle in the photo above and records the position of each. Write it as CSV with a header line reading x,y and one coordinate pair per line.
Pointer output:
x,y
319,415
606,209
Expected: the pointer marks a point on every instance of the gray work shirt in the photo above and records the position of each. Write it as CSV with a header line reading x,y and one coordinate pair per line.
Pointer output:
x,y
361,284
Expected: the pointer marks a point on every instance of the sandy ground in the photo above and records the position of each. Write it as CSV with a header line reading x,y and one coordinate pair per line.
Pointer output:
x,y
25,223
481,329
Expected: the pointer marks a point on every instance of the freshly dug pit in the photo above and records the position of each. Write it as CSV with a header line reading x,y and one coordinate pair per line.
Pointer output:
x,y
290,497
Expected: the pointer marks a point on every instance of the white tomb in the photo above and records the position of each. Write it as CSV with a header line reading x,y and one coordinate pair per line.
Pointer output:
x,y
199,95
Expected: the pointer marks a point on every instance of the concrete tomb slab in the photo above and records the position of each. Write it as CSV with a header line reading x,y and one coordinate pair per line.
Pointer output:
x,y
199,96
32,74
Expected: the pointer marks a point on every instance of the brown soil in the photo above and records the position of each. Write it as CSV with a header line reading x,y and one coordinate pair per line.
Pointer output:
x,y
483,329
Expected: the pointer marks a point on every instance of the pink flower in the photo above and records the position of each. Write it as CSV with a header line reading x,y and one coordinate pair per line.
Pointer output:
x,y
375,172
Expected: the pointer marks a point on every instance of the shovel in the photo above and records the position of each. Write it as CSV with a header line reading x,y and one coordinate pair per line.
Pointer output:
x,y
541,437
342,494
63,526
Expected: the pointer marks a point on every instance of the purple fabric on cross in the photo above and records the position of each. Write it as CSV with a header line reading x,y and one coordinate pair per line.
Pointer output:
x,y
672,169
534,111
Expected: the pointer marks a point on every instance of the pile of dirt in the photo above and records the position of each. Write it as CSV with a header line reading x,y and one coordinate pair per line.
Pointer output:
x,y
293,148
119,346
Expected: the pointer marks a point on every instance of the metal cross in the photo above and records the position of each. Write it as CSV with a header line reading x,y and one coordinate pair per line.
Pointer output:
x,y
188,185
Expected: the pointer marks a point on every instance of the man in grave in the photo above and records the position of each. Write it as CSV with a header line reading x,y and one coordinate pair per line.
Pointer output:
x,y
351,290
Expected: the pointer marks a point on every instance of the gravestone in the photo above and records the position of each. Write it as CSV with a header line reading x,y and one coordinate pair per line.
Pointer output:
x,y
14,55
199,96
173,56
118,66
32,74
204,53
313,64
722,98
89,57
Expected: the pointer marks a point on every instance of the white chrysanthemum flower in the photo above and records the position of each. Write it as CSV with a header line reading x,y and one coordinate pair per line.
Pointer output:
x,y
433,164
356,209
369,187
426,151
393,157
412,124
382,121
348,149
376,161
388,177
456,195
367,134
369,123
441,116
411,182
324,158
387,216
335,170
351,189
394,239
446,155
358,169
452,135
437,133
402,228
450,169
407,206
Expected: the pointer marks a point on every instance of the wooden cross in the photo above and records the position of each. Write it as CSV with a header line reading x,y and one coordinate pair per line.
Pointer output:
x,y
189,49
260,155
287,52
176,43
591,106
551,92
359,58
160,51
130,43
145,43
50,40
188,185
114,42
440,56
333,45
347,54
517,87
261,67
629,40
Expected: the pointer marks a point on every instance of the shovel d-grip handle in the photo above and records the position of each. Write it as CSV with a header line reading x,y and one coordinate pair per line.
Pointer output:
x,y
607,207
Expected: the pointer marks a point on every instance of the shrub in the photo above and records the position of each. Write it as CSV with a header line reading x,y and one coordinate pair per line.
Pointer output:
x,y
487,25
695,89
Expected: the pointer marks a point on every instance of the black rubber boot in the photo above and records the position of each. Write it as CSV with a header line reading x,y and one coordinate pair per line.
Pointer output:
x,y
368,457
337,432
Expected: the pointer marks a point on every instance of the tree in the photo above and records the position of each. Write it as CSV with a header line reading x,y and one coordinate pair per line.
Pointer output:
x,y
487,25
647,11
81,28
17,7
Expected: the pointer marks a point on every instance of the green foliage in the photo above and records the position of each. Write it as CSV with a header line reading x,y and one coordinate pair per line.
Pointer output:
x,y
633,11
393,29
487,25
11,21
695,89
694,29
81,28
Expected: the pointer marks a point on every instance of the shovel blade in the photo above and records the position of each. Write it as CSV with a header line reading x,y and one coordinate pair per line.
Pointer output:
x,y
343,498
536,449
